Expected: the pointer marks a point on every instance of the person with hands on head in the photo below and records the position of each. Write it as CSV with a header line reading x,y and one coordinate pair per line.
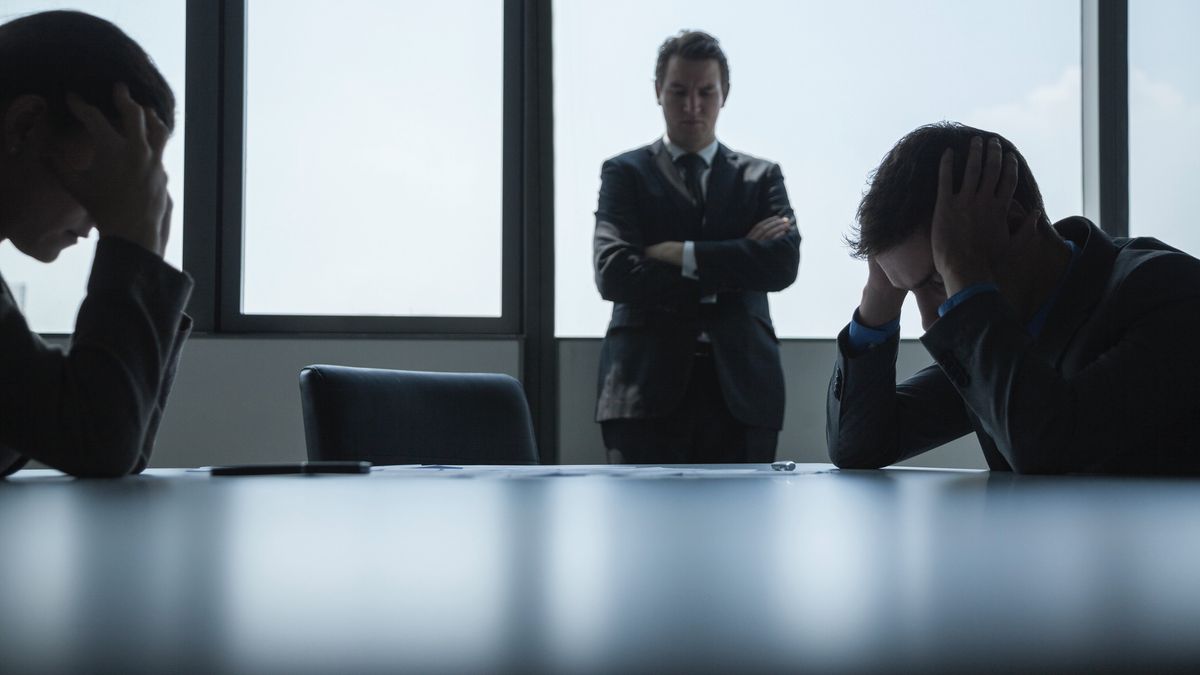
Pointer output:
x,y
690,237
124,187
85,116
1056,344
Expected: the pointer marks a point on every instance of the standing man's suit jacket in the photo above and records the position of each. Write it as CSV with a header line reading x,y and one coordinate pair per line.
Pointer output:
x,y
657,312
1111,384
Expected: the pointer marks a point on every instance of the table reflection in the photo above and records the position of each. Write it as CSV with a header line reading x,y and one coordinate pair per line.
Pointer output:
x,y
849,570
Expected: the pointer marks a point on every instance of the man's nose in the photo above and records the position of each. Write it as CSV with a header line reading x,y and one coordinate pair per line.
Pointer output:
x,y
692,102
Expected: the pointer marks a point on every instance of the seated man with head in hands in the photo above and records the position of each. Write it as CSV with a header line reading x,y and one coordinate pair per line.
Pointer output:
x,y
85,117
1062,348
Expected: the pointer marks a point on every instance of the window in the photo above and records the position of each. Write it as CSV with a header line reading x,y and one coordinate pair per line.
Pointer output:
x,y
824,89
52,293
1164,121
373,159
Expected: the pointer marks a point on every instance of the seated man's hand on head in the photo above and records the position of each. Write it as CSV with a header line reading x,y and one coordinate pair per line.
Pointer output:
x,y
124,186
970,232
881,301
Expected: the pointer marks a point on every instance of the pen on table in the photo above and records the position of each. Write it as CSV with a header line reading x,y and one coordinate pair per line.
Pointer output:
x,y
291,468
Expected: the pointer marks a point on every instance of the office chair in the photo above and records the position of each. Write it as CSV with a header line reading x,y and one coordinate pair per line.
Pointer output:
x,y
410,417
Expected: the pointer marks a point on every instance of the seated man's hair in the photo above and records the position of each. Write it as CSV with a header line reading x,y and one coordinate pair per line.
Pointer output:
x,y
903,189
693,45
52,53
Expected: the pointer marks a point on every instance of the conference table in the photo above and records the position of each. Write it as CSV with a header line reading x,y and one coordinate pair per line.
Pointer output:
x,y
577,569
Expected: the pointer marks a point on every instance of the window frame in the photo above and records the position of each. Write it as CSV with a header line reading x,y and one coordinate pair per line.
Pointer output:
x,y
226,253
215,82
1104,64
213,159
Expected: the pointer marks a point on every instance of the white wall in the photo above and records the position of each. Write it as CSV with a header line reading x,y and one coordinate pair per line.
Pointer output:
x,y
807,365
237,399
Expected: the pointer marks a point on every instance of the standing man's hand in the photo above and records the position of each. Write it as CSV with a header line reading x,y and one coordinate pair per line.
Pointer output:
x,y
771,227
670,252
124,188
969,232
881,301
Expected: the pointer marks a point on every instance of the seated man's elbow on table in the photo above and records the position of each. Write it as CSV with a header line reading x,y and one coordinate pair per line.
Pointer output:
x,y
850,462
110,453
103,463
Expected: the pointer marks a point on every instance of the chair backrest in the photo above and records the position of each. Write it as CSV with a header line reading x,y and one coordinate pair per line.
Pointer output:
x,y
412,417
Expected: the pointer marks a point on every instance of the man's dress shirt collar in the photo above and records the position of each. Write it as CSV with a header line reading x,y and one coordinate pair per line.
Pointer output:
x,y
706,153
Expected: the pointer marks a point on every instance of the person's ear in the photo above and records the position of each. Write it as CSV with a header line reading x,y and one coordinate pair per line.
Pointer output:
x,y
658,92
21,119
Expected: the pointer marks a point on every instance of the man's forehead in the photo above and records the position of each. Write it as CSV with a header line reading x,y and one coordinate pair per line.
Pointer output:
x,y
685,69
909,264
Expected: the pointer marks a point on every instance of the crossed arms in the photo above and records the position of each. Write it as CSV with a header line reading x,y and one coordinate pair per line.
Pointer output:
x,y
631,269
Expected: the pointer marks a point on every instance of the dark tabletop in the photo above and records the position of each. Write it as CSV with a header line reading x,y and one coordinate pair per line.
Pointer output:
x,y
491,571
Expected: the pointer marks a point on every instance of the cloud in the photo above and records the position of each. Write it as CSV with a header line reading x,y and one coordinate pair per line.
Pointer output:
x,y
1041,112
1150,96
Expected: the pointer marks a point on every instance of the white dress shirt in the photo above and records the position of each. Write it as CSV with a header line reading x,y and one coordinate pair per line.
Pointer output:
x,y
689,268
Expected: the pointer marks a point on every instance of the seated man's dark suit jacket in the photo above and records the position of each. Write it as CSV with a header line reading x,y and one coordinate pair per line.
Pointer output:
x,y
1111,385
94,409
657,315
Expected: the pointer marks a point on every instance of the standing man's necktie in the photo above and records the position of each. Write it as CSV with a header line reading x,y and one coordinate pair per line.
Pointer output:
x,y
692,167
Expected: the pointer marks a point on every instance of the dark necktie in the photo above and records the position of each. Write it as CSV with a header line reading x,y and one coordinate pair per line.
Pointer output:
x,y
693,166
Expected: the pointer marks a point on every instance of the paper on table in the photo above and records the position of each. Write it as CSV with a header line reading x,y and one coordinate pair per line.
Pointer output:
x,y
613,471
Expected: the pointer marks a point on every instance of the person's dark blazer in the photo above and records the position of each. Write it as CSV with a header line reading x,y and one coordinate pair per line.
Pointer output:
x,y
657,314
93,409
1111,385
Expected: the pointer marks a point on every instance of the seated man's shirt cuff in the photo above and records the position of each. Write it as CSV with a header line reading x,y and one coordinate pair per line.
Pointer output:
x,y
965,294
863,337
689,260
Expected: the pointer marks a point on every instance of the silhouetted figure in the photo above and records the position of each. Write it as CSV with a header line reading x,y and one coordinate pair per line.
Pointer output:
x,y
690,237
1063,349
85,117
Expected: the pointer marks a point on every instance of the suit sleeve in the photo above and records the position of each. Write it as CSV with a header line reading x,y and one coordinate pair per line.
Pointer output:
x,y
1131,409
623,272
164,391
872,422
92,410
742,264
